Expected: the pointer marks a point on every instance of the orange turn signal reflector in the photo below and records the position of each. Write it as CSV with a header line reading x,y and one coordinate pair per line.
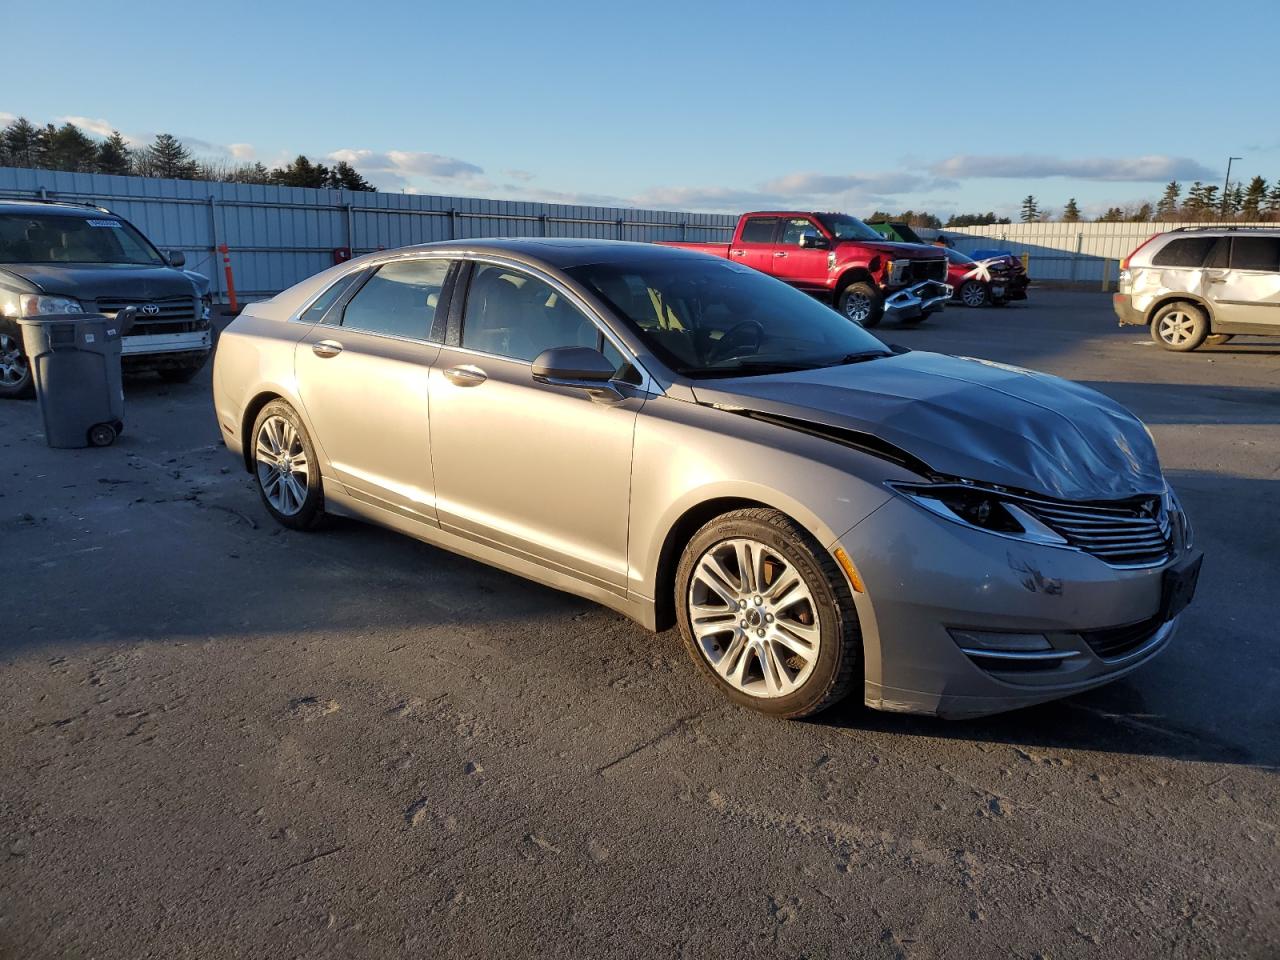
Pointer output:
x,y
850,571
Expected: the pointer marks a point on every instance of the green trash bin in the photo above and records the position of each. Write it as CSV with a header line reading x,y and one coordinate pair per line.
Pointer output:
x,y
75,363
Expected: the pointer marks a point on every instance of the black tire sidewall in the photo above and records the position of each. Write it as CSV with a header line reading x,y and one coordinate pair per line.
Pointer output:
x,y
313,506
835,613
877,302
1198,338
27,386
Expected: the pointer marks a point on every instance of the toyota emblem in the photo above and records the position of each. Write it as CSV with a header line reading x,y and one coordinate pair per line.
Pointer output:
x,y
149,309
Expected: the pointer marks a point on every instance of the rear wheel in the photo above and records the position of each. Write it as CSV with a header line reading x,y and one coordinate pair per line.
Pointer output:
x,y
861,303
973,293
1180,327
284,464
765,612
15,371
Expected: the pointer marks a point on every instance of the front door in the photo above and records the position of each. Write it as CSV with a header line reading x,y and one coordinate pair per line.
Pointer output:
x,y
1248,291
542,472
803,267
363,380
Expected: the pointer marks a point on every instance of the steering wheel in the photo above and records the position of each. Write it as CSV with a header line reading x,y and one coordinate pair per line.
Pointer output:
x,y
723,348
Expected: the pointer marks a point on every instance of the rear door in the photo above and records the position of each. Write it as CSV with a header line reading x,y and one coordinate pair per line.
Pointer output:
x,y
362,377
757,243
1248,290
803,267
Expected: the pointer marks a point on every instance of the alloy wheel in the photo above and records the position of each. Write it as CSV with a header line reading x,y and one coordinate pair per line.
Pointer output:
x,y
857,307
973,294
1177,327
754,618
283,469
13,364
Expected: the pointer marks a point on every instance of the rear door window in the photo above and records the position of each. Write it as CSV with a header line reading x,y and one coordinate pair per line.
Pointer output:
x,y
1184,252
321,305
759,230
400,300
1255,253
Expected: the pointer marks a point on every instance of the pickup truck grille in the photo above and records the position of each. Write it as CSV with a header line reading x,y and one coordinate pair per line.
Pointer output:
x,y
173,314
928,270
1128,535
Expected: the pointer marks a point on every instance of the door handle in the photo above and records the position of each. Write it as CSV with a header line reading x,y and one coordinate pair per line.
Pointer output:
x,y
1217,279
326,348
780,253
466,376
737,253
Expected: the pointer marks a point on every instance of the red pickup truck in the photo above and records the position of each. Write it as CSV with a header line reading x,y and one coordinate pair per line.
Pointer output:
x,y
840,258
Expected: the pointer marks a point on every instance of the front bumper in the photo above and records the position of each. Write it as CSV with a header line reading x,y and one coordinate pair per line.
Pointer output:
x,y
196,341
917,300
925,575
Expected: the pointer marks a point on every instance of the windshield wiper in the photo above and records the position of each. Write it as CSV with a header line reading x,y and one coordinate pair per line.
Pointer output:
x,y
755,367
860,357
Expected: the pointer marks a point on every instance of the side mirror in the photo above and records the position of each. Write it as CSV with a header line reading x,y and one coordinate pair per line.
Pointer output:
x,y
177,258
811,241
581,367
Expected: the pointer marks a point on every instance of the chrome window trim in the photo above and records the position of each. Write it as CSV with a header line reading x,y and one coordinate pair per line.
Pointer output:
x,y
647,383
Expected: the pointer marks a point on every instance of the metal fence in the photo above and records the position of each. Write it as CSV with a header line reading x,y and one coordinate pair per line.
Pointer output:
x,y
280,235
1084,253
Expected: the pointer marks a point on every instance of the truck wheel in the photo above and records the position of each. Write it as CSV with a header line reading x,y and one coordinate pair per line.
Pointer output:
x,y
861,303
1179,326
15,372
182,374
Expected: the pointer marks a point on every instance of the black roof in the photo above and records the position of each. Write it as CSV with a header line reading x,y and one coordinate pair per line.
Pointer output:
x,y
562,252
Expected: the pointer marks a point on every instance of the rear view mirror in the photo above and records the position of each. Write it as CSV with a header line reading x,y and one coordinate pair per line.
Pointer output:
x,y
580,367
177,258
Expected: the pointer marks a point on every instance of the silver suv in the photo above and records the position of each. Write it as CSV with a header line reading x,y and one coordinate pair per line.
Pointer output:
x,y
1198,284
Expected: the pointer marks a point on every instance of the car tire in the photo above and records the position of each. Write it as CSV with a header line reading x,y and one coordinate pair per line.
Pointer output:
x,y
285,467
860,302
1217,339
973,293
800,650
1179,326
182,374
16,381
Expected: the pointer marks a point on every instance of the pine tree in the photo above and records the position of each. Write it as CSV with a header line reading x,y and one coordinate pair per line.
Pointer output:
x,y
68,148
1030,209
1232,201
24,143
1271,206
167,157
1113,215
114,155
1254,196
1142,215
1167,205
1071,212
251,173
1199,201
301,173
344,177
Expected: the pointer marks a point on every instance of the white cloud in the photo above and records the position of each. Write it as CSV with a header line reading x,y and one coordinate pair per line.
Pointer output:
x,y
242,151
523,176
1151,167
7,118
405,163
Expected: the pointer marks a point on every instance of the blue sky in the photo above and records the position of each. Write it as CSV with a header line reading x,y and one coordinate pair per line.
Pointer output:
x,y
687,105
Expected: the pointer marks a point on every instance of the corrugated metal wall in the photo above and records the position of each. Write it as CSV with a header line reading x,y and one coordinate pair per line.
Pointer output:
x,y
1079,252
280,235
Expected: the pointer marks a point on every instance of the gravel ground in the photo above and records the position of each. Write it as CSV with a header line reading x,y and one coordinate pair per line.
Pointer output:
x,y
221,739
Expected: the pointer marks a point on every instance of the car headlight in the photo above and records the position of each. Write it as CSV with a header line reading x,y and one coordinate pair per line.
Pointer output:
x,y
978,508
206,307
898,270
37,304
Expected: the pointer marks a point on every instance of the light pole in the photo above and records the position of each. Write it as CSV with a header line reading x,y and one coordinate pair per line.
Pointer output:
x,y
1227,183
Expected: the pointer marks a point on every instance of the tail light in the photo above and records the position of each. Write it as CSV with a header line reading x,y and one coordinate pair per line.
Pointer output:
x,y
1124,264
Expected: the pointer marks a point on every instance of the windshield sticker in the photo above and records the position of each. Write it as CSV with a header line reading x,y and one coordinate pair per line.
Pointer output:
x,y
105,223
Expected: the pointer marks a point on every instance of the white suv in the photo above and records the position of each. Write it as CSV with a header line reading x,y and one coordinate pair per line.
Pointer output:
x,y
1203,283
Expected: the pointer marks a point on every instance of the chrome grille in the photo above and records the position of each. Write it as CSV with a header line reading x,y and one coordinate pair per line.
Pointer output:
x,y
928,270
173,314
1127,534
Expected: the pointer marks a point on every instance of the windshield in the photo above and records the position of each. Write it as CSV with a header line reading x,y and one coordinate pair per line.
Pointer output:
x,y
27,238
844,227
955,256
709,318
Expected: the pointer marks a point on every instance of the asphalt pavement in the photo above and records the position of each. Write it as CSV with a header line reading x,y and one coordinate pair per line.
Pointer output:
x,y
220,739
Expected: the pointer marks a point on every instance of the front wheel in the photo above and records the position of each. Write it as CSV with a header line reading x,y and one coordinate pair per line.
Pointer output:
x,y
766,613
284,464
15,371
861,303
1180,327
973,293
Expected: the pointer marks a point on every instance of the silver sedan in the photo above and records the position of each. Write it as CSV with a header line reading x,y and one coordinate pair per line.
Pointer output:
x,y
693,443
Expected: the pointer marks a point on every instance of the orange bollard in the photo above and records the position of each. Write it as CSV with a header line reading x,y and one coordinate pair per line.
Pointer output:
x,y
231,283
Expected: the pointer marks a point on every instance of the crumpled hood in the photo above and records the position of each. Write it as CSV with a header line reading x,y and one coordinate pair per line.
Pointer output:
x,y
89,281
894,249
971,419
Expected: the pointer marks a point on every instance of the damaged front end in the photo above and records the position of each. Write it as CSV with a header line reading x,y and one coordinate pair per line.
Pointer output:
x,y
918,300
